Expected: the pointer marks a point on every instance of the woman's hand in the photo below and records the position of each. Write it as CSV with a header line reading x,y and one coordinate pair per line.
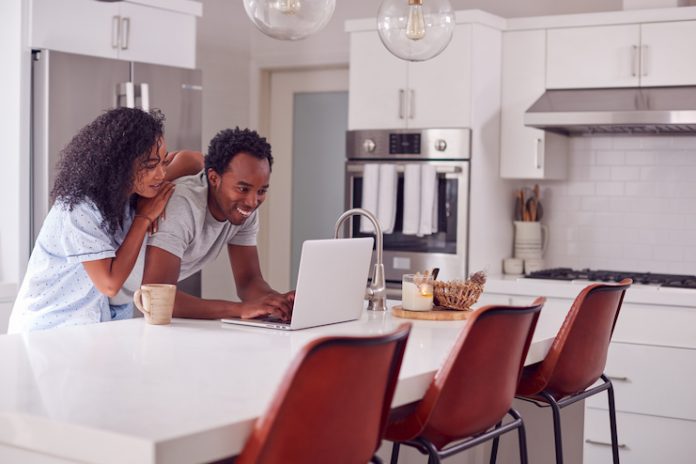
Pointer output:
x,y
153,208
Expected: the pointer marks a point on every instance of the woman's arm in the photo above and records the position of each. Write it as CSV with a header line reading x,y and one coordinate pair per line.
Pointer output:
x,y
109,274
183,163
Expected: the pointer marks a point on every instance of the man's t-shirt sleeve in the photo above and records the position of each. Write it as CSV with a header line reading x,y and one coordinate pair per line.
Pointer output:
x,y
246,235
175,232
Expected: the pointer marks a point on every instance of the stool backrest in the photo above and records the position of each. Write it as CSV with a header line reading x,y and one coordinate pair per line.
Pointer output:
x,y
333,403
475,387
578,354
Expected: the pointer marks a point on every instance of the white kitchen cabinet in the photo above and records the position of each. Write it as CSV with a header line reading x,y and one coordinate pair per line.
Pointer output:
x,y
120,30
593,57
387,92
629,55
668,54
525,152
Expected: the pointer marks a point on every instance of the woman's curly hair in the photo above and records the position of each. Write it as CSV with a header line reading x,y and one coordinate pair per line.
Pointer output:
x,y
100,162
230,142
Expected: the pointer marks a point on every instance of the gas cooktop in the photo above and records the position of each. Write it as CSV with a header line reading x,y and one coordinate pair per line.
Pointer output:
x,y
645,278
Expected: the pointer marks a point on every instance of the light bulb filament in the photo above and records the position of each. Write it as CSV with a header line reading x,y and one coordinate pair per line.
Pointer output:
x,y
415,26
289,7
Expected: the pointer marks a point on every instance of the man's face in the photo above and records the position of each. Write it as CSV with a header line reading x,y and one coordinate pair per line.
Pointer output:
x,y
237,192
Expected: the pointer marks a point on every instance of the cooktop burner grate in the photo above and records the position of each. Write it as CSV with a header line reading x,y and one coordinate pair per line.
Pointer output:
x,y
645,278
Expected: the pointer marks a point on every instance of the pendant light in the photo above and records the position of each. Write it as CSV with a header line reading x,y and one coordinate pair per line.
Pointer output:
x,y
289,19
415,30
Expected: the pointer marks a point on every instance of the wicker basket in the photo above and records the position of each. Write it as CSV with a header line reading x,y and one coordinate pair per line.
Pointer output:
x,y
458,294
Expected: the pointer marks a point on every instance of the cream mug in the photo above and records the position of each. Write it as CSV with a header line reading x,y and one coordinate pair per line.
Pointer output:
x,y
156,302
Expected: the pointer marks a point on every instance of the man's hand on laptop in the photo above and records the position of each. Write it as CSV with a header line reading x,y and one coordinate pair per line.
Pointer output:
x,y
277,305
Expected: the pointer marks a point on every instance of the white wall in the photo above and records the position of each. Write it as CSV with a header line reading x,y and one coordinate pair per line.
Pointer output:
x,y
629,203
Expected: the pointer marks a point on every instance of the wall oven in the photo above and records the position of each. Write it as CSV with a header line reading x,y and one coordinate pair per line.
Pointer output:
x,y
448,151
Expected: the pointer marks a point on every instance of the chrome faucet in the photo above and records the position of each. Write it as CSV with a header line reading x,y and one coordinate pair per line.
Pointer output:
x,y
376,293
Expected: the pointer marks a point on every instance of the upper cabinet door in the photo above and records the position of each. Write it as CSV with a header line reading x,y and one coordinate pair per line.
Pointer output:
x,y
157,36
440,88
593,57
667,53
378,86
85,27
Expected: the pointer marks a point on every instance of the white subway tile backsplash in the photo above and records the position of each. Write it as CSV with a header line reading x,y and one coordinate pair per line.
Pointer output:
x,y
641,158
629,203
610,158
610,188
625,173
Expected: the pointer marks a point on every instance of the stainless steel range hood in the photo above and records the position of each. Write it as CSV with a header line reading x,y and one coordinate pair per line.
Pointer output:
x,y
646,110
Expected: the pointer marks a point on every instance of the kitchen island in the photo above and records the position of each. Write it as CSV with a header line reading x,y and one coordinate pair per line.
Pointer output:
x,y
188,392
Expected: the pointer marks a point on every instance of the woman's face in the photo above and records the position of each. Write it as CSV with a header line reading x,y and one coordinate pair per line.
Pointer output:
x,y
150,171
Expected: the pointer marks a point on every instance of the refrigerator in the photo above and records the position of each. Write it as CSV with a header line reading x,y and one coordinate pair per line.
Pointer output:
x,y
69,91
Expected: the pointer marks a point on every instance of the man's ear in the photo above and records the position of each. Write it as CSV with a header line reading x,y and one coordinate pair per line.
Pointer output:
x,y
213,177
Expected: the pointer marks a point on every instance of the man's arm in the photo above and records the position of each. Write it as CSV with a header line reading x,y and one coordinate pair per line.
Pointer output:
x,y
163,267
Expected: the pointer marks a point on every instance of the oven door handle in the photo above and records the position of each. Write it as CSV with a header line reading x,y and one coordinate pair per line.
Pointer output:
x,y
358,168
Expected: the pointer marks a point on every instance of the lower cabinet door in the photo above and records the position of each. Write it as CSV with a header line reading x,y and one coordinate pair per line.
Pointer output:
x,y
642,439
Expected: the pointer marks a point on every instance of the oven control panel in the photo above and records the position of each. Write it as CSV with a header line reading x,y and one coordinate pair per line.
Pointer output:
x,y
442,144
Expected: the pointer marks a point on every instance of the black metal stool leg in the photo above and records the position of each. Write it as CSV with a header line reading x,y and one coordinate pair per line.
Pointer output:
x,y
556,426
612,422
395,453
494,447
521,436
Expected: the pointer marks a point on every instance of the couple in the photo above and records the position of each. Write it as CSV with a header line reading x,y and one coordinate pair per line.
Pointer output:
x,y
114,185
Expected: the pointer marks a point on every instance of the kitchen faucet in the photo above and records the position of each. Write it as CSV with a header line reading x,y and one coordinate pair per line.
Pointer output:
x,y
376,293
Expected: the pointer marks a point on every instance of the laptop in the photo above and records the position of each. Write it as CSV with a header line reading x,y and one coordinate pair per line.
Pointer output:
x,y
330,285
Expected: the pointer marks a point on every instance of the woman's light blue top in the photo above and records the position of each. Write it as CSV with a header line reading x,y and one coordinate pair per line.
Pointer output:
x,y
56,290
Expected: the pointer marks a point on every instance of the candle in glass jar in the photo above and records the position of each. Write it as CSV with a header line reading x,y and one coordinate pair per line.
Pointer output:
x,y
417,292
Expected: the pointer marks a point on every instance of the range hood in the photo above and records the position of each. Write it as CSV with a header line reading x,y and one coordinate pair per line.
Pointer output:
x,y
645,110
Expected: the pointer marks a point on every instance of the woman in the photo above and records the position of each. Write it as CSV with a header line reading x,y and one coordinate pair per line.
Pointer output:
x,y
110,190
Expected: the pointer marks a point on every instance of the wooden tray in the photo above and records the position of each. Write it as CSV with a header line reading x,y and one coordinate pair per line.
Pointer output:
x,y
438,313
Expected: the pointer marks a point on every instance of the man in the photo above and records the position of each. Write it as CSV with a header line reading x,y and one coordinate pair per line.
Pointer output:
x,y
209,211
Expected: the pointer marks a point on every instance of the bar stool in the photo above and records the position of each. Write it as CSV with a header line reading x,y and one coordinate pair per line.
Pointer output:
x,y
577,359
333,403
473,391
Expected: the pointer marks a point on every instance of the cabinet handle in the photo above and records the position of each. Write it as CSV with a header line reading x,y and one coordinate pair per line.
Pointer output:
x,y
537,154
634,61
412,104
126,33
115,31
125,95
145,97
617,378
604,443
401,103
644,60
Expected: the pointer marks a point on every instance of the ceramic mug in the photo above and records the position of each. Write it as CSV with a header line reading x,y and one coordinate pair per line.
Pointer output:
x,y
513,266
156,302
531,239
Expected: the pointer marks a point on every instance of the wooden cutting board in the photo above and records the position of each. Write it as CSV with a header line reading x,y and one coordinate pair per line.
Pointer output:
x,y
438,313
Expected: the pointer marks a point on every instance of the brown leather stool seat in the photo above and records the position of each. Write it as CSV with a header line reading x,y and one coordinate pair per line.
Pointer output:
x,y
473,391
577,358
333,403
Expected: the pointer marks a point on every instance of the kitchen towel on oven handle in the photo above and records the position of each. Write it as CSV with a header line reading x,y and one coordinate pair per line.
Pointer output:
x,y
379,196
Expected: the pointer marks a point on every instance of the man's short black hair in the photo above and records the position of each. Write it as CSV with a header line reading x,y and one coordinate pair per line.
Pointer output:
x,y
228,143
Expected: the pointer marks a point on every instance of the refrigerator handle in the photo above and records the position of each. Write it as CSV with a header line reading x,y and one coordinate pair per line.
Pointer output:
x,y
126,33
145,97
115,31
125,95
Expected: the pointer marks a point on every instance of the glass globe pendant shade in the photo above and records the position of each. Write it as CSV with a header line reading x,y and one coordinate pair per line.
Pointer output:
x,y
415,30
289,19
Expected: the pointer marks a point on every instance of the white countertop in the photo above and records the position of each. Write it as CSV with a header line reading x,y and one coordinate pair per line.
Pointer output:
x,y
130,392
639,294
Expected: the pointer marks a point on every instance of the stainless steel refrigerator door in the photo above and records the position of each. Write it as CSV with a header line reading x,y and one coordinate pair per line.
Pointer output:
x,y
68,91
178,93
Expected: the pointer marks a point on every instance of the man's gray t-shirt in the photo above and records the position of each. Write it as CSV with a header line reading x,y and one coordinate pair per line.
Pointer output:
x,y
191,233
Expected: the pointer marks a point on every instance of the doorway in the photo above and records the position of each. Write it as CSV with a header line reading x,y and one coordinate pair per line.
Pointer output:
x,y
307,122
